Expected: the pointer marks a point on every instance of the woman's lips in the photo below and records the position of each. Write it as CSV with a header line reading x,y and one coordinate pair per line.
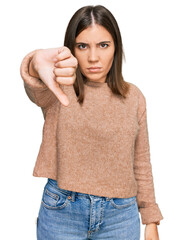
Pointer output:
x,y
94,69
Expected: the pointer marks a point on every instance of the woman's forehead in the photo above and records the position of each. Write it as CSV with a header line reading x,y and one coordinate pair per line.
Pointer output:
x,y
94,32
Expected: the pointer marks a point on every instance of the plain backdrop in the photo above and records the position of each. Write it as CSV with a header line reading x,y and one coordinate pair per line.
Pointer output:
x,y
153,44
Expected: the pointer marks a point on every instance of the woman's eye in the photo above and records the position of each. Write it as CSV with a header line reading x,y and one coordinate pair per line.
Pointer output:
x,y
82,46
104,45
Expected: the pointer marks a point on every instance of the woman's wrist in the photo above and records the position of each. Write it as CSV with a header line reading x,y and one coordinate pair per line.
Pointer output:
x,y
157,223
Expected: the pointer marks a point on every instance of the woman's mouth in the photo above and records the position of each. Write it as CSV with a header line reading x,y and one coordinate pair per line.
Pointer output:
x,y
94,69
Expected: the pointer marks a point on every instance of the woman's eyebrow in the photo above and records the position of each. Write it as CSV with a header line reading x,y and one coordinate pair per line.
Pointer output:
x,y
97,43
81,43
105,42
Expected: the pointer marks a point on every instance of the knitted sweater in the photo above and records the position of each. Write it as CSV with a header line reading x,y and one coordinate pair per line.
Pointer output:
x,y
100,148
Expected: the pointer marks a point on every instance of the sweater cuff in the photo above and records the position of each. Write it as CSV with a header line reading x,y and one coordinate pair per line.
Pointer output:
x,y
32,82
151,214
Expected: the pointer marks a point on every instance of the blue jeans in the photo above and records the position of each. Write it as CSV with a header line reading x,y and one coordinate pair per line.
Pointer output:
x,y
68,215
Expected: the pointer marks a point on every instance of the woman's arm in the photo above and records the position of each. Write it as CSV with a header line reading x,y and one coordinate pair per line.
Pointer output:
x,y
35,88
42,78
150,212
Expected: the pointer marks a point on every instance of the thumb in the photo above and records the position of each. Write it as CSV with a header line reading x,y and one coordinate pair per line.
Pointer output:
x,y
48,78
56,89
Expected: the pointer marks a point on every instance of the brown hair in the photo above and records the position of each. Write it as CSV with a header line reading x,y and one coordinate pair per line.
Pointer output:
x,y
81,20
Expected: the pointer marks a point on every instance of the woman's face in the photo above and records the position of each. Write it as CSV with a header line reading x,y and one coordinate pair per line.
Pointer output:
x,y
94,51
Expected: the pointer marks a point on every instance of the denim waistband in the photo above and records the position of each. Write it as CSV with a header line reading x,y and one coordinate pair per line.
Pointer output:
x,y
74,194
67,192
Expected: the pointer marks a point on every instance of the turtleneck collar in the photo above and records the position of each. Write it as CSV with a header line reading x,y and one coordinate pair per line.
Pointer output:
x,y
95,84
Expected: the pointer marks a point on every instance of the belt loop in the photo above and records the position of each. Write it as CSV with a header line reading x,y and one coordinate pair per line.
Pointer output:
x,y
73,196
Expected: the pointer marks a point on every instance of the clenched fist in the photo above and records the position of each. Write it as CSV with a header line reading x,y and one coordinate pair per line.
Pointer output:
x,y
55,66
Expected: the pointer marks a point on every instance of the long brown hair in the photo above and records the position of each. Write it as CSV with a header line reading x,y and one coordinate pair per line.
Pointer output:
x,y
81,20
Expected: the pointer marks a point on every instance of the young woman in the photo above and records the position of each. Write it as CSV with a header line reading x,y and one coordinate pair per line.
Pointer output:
x,y
95,147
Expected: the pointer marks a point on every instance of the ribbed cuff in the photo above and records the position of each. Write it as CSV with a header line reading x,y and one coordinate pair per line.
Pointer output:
x,y
151,214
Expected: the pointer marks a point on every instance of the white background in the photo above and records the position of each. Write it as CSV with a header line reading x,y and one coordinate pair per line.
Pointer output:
x,y
153,44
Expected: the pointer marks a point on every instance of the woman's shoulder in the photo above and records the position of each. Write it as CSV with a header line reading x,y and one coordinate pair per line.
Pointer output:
x,y
135,90
137,95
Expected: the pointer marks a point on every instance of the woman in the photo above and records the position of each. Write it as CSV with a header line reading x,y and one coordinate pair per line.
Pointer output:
x,y
95,147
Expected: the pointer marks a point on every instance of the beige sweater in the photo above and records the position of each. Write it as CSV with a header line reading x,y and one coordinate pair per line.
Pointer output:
x,y
100,148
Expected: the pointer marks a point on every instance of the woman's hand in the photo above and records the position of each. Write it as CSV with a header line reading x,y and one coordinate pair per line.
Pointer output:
x,y
43,66
151,232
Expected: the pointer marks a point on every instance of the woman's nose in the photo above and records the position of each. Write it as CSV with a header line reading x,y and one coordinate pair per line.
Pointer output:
x,y
93,55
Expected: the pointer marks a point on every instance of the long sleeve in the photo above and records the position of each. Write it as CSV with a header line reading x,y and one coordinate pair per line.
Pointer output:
x,y
147,205
36,89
